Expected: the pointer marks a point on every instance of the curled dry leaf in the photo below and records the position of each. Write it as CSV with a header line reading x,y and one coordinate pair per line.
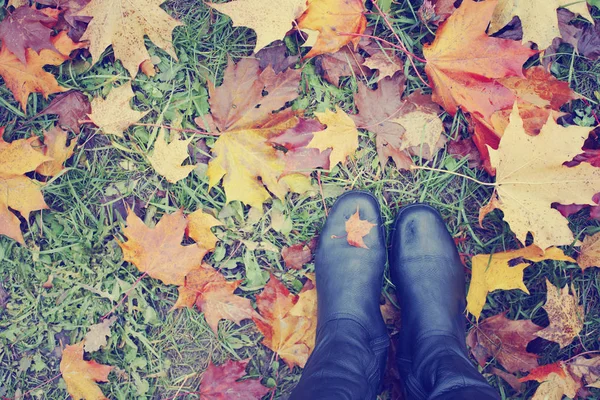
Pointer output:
x,y
167,157
158,251
124,25
495,272
114,114
223,382
357,229
339,22
504,340
565,315
270,22
18,191
531,175
531,12
82,376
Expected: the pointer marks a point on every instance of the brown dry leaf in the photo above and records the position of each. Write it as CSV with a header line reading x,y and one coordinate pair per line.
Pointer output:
x,y
565,315
589,255
95,339
530,176
167,158
24,79
123,24
17,191
341,136
531,12
357,229
436,11
386,64
158,251
225,382
82,376
114,114
270,22
504,340
344,62
55,147
288,330
199,229
298,255
336,21
71,107
495,272
243,112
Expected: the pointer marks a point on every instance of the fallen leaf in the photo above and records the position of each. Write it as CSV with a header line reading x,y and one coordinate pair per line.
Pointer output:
x,y
589,255
589,42
114,114
167,158
298,255
357,229
199,229
344,62
511,379
96,336
530,176
556,382
23,79
336,21
158,251
531,12
496,272
81,376
288,335
223,382
26,28
565,316
71,107
270,22
17,191
276,56
504,340
55,147
386,64
124,25
436,11
341,136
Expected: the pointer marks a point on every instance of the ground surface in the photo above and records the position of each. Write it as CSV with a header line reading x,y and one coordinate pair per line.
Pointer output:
x,y
158,353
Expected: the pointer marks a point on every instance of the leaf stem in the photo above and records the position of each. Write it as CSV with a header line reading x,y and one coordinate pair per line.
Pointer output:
x,y
415,167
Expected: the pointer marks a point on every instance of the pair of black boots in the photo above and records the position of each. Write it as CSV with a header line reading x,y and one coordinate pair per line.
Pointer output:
x,y
349,358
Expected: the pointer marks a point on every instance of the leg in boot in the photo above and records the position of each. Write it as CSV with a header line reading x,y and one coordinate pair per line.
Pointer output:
x,y
430,281
352,341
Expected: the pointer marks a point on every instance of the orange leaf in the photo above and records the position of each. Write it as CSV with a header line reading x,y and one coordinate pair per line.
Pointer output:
x,y
81,376
336,21
357,229
158,251
55,147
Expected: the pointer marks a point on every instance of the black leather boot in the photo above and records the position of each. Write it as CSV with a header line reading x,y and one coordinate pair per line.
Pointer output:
x,y
351,347
430,282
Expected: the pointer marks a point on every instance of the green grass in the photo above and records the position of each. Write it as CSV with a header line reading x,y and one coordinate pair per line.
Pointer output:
x,y
158,353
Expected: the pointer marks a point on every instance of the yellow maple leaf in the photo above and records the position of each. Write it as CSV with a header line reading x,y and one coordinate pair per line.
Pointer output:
x,y
114,114
55,147
493,272
81,375
531,12
565,316
167,158
270,22
199,229
124,25
341,136
530,176
589,255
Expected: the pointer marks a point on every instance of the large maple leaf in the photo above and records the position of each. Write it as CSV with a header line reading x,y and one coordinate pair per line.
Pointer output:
x,y
26,78
81,375
244,116
530,176
505,340
158,251
336,21
123,24
17,191
531,12
223,382
26,28
270,22
288,322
